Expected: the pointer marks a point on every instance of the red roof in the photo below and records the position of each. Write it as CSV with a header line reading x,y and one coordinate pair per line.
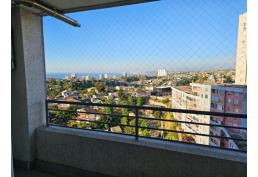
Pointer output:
x,y
71,99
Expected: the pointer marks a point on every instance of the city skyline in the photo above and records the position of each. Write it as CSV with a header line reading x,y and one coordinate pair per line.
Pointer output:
x,y
144,38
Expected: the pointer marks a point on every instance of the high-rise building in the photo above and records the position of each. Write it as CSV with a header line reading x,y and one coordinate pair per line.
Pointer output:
x,y
101,76
241,58
106,76
215,98
162,73
183,97
124,74
73,76
87,78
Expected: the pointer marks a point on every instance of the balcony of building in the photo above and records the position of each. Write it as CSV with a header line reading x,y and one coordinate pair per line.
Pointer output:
x,y
42,147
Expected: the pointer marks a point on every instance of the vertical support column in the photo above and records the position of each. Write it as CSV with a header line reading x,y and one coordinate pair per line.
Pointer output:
x,y
136,123
47,113
28,85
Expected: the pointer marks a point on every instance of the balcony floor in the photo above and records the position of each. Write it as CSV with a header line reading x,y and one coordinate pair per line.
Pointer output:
x,y
18,172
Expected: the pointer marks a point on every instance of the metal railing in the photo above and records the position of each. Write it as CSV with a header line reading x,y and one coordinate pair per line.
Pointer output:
x,y
138,117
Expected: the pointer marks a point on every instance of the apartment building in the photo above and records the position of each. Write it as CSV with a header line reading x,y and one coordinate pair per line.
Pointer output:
x,y
162,73
228,99
215,98
241,58
183,97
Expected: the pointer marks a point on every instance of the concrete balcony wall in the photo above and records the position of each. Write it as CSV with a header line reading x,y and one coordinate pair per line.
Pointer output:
x,y
28,83
122,156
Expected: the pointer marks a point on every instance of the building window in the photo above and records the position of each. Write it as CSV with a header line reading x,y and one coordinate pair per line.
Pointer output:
x,y
236,110
220,107
214,91
215,98
206,96
235,101
237,94
229,100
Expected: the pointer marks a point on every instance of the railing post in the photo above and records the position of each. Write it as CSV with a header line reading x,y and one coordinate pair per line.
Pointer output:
x,y
136,123
47,115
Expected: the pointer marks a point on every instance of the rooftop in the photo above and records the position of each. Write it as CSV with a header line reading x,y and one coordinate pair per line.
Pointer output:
x,y
186,89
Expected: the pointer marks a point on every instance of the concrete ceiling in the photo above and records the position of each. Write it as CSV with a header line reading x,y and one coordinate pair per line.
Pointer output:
x,y
79,5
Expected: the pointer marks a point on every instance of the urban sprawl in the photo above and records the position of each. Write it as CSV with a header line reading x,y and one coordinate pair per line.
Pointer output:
x,y
222,91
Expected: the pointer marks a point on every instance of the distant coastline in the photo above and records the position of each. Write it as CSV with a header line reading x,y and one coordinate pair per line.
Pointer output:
x,y
79,75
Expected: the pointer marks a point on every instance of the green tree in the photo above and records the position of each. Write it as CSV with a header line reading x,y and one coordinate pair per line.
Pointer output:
x,y
126,129
157,114
109,120
63,116
67,85
100,86
170,126
228,79
139,101
144,131
131,100
121,94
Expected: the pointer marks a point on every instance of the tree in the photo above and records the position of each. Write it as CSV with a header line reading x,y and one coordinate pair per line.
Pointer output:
x,y
109,120
131,100
124,122
139,101
121,94
157,114
125,111
83,125
171,136
144,131
67,85
228,79
165,101
183,82
126,129
170,126
100,86
63,116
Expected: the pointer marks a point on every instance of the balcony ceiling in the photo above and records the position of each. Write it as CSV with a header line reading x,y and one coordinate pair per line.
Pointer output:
x,y
79,5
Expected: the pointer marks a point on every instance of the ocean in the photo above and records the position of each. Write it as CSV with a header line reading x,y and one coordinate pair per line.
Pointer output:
x,y
79,75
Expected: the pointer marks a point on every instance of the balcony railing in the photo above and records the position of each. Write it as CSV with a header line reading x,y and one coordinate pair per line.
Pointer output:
x,y
113,117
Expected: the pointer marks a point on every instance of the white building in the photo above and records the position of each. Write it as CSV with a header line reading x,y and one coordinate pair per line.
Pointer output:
x,y
162,73
241,58
74,94
87,78
184,98
106,76
101,76
73,76
124,74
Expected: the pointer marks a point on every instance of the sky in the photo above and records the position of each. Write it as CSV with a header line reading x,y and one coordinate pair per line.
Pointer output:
x,y
178,35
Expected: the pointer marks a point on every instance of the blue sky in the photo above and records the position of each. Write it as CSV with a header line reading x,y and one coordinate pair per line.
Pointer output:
x,y
179,35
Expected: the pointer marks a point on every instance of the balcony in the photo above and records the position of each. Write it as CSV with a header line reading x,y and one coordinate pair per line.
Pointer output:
x,y
44,146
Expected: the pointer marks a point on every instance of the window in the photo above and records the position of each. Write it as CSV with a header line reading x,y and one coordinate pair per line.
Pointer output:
x,y
220,107
206,96
236,110
236,102
214,91
216,98
237,94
